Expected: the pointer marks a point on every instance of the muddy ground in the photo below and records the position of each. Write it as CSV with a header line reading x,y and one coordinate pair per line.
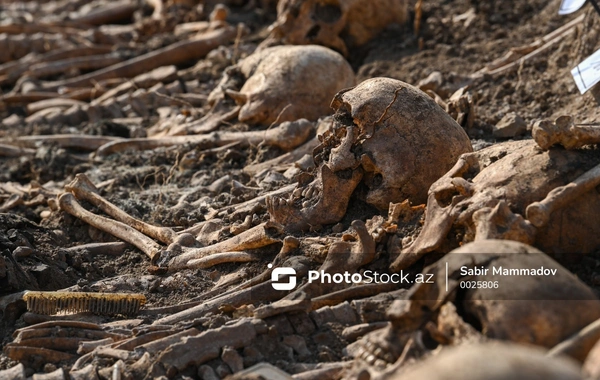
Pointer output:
x,y
149,184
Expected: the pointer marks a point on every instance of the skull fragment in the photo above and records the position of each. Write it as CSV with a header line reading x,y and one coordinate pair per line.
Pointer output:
x,y
388,134
485,195
338,24
540,310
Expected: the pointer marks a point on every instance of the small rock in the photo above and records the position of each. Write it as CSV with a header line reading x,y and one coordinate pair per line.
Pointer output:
x,y
510,125
345,314
22,251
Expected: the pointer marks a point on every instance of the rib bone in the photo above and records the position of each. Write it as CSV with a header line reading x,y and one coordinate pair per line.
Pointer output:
x,y
84,189
69,204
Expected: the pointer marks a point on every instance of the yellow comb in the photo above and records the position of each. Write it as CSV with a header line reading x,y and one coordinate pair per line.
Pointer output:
x,y
49,303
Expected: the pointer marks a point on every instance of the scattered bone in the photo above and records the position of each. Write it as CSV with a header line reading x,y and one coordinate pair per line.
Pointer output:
x,y
84,189
207,345
16,372
124,232
286,136
221,258
82,142
237,298
193,48
380,110
565,132
517,56
255,237
519,178
337,24
112,249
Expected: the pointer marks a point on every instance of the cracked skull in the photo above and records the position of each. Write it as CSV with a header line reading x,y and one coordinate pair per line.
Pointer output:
x,y
337,24
485,195
388,134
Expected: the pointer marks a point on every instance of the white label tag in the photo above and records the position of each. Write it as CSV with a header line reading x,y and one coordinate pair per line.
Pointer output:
x,y
587,73
570,6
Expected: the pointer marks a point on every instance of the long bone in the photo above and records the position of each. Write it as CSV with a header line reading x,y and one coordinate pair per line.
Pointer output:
x,y
256,237
69,204
286,136
538,213
84,189
83,142
565,132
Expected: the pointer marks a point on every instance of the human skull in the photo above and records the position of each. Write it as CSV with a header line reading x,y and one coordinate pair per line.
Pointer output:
x,y
285,83
389,134
403,139
497,361
485,195
337,24
528,309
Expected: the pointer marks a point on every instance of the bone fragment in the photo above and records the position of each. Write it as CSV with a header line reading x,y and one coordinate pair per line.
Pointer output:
x,y
83,142
93,62
68,203
158,345
194,48
89,346
108,14
206,346
23,353
112,248
221,258
354,292
13,151
286,136
538,213
283,161
16,372
515,57
354,332
565,132
84,189
53,102
263,292
431,240
256,237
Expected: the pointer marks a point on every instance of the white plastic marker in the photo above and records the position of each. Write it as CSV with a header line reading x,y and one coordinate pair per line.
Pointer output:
x,y
587,73
570,6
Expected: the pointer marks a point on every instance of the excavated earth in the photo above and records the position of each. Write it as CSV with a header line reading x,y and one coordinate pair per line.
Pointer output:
x,y
148,184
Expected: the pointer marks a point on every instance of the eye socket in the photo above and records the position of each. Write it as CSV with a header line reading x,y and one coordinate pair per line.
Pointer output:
x,y
313,32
